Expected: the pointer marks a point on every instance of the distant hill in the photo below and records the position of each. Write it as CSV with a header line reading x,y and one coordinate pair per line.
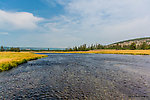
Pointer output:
x,y
138,41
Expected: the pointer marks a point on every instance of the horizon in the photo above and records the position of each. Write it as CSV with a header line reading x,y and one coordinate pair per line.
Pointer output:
x,y
75,45
68,23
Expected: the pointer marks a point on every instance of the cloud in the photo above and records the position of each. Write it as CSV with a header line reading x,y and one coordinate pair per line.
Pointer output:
x,y
3,33
100,12
55,2
83,21
18,20
102,21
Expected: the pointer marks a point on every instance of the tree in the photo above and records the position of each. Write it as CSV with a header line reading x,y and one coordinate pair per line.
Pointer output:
x,y
118,47
99,46
70,49
15,49
84,47
144,46
75,48
133,46
92,47
2,48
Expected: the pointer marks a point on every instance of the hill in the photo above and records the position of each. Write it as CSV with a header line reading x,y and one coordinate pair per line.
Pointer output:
x,y
137,41
132,44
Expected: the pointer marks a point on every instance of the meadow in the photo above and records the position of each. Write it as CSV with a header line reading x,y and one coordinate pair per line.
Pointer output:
x,y
9,60
125,52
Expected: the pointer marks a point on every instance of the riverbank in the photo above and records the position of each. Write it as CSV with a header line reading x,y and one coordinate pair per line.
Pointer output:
x,y
9,60
125,52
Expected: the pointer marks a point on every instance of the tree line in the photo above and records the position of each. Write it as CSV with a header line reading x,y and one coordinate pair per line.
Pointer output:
x,y
133,46
17,49
84,47
10,49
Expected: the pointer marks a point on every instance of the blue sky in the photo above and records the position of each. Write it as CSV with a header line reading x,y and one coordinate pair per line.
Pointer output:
x,y
40,8
66,23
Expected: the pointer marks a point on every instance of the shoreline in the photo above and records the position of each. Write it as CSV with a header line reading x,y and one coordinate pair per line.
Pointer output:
x,y
9,60
123,52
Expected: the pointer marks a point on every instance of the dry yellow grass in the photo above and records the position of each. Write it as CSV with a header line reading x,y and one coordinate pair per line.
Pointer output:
x,y
131,52
9,60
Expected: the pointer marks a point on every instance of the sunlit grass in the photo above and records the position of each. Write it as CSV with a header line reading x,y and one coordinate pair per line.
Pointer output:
x,y
9,60
130,52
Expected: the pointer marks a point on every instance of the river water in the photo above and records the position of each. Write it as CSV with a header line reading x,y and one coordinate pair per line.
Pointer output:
x,y
79,76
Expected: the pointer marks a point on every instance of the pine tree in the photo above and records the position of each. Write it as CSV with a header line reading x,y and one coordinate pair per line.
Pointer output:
x,y
133,46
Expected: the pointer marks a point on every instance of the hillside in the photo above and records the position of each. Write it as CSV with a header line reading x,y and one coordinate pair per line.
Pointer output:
x,y
137,41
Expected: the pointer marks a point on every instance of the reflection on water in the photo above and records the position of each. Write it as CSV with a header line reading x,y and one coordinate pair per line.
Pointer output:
x,y
79,76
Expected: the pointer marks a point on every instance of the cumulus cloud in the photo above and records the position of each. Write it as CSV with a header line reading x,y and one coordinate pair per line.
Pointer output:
x,y
18,20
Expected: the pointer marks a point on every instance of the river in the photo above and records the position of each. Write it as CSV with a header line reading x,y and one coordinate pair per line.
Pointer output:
x,y
79,76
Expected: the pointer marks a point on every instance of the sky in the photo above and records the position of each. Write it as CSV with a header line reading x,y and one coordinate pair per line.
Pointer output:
x,y
67,23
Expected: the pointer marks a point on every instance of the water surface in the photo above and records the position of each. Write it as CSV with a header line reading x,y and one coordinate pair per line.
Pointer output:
x,y
79,76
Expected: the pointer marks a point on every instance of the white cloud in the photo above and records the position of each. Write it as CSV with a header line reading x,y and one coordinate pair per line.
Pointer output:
x,y
84,21
18,20
103,21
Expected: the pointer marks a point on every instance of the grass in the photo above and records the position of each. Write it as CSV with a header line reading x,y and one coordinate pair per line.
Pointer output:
x,y
9,60
125,52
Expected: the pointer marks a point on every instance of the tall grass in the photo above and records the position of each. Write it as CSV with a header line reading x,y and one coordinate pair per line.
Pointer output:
x,y
125,52
9,60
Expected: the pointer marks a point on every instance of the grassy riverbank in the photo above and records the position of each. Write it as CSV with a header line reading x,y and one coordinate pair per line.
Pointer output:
x,y
129,52
9,60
